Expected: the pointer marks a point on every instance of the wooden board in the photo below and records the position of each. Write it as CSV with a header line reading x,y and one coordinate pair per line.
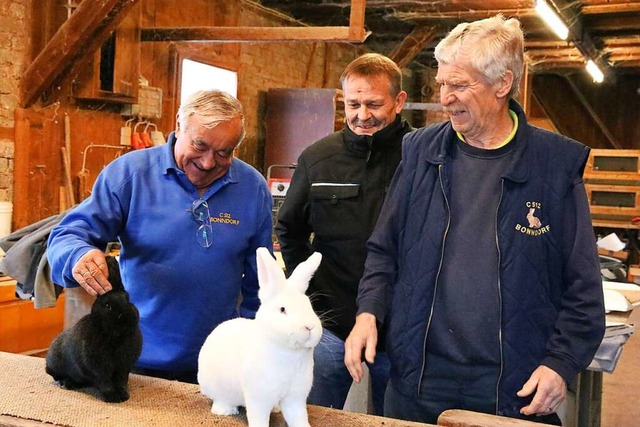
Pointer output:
x,y
459,418
23,328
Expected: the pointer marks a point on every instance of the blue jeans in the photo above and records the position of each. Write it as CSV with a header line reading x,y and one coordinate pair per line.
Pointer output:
x,y
331,379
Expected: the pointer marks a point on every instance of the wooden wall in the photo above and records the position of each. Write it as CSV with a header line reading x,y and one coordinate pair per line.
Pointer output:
x,y
39,130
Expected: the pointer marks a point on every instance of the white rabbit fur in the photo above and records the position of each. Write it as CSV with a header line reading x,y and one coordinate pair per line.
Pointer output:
x,y
267,362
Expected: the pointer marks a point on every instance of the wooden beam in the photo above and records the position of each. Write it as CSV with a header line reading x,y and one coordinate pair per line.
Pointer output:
x,y
472,14
249,34
21,159
355,32
356,20
7,133
592,113
86,30
412,45
568,57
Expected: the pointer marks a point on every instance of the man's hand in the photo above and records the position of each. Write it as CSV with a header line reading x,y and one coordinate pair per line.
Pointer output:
x,y
550,391
91,272
364,335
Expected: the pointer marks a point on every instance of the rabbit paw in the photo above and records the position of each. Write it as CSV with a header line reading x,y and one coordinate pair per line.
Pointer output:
x,y
114,396
70,384
123,393
219,408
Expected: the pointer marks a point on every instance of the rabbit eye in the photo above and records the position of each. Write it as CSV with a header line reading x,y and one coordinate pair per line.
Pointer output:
x,y
283,310
107,306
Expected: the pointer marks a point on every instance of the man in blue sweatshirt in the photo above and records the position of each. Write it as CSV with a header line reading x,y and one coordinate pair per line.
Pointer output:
x,y
189,218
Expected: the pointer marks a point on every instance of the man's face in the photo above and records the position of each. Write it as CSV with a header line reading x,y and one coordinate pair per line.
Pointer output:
x,y
206,154
471,103
369,105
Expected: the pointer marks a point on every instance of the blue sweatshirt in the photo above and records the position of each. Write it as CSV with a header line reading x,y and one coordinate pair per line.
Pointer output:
x,y
182,290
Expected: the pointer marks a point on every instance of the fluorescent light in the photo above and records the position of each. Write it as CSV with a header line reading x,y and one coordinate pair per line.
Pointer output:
x,y
595,72
552,20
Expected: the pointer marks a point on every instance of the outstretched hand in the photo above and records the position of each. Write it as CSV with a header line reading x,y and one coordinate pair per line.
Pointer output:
x,y
91,273
550,391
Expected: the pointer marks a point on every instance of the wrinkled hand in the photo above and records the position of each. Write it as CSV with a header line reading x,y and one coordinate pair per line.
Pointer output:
x,y
550,391
91,272
364,335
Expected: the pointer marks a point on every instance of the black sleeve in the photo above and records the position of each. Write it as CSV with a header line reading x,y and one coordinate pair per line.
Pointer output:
x,y
293,227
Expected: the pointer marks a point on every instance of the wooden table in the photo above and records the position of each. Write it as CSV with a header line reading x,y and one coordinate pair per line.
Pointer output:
x,y
29,397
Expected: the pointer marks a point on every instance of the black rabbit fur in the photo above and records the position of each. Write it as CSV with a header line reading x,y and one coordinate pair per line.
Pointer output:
x,y
101,349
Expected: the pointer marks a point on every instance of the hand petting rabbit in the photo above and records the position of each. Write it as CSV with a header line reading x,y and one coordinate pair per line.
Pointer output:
x,y
267,362
102,348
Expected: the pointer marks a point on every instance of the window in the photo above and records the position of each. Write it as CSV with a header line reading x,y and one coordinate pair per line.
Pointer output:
x,y
199,76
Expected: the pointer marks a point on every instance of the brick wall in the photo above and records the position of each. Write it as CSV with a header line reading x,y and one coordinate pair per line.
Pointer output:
x,y
281,65
14,51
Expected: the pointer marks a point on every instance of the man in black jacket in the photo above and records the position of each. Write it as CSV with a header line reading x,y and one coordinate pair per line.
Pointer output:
x,y
332,205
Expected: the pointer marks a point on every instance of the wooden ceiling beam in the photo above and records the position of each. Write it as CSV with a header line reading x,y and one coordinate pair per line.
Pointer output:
x,y
520,12
251,34
354,33
412,45
631,52
78,38
597,9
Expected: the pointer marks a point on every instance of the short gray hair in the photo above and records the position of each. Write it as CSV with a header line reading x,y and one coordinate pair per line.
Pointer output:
x,y
211,107
495,45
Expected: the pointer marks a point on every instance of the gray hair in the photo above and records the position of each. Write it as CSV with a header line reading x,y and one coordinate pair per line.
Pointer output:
x,y
211,107
374,64
494,45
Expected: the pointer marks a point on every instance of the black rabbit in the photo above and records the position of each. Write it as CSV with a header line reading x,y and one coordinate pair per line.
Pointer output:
x,y
102,348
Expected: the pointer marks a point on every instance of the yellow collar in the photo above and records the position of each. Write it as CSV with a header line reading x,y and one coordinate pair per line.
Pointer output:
x,y
514,117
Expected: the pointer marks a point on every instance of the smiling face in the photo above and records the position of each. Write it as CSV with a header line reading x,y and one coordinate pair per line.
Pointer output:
x,y
473,105
369,105
206,154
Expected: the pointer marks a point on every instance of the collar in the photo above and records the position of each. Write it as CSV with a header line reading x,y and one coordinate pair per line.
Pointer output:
x,y
169,165
517,171
168,161
384,139
512,134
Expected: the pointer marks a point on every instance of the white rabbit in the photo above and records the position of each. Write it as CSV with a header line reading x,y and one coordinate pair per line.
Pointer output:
x,y
267,362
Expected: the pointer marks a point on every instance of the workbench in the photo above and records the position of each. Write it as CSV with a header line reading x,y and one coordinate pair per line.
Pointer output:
x,y
29,397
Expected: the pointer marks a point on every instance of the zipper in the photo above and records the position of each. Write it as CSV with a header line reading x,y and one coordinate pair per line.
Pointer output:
x,y
435,290
499,299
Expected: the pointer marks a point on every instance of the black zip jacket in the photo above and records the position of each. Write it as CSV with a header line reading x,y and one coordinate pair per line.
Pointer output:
x,y
332,205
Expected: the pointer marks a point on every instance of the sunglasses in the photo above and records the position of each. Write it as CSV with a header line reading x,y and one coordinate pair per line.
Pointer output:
x,y
200,211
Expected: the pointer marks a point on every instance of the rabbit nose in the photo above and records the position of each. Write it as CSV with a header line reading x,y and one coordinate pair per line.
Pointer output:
x,y
309,328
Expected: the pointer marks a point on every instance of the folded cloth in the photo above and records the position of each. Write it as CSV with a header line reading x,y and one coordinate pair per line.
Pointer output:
x,y
25,261
610,349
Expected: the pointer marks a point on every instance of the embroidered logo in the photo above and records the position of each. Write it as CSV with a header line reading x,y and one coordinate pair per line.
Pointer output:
x,y
534,227
534,222
225,218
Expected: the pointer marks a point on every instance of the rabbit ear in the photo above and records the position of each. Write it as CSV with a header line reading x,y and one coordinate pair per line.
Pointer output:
x,y
303,273
270,275
114,273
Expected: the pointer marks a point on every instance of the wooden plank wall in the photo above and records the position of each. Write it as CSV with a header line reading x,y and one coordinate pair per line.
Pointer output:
x,y
39,131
